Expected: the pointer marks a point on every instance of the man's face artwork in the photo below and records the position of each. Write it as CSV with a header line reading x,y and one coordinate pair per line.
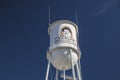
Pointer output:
x,y
66,33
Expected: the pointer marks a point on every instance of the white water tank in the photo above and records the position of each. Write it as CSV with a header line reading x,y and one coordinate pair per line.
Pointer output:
x,y
63,44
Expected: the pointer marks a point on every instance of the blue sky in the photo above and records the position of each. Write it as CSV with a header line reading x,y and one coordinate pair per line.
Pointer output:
x,y
24,38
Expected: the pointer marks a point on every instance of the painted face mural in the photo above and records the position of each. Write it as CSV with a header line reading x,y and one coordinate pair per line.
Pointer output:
x,y
66,33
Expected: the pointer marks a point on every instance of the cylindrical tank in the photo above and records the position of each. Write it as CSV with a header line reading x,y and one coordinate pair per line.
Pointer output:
x,y
63,44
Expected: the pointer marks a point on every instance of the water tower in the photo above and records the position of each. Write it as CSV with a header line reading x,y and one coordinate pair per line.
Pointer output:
x,y
64,53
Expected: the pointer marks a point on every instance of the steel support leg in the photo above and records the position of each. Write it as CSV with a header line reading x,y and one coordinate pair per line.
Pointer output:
x,y
64,74
47,73
56,76
78,72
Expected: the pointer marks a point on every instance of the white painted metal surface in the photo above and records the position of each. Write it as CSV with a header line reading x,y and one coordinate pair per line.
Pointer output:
x,y
63,36
63,52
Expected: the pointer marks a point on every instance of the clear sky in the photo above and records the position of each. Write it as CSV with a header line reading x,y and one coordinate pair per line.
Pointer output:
x,y
24,38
